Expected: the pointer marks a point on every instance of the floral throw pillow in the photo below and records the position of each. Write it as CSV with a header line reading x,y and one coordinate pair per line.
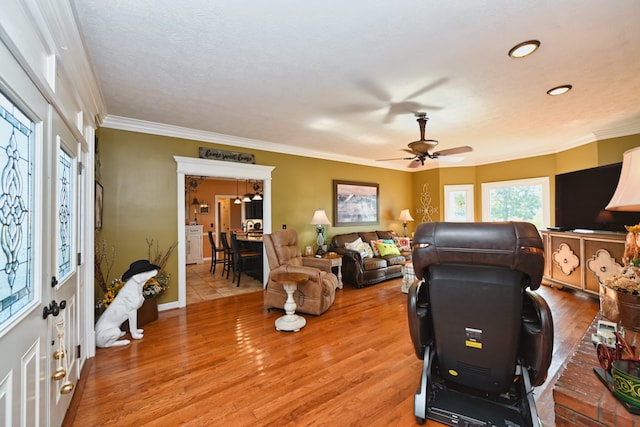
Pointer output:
x,y
359,246
404,243
369,250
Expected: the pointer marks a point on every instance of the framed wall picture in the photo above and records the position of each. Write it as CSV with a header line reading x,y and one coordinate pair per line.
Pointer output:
x,y
98,205
458,203
355,203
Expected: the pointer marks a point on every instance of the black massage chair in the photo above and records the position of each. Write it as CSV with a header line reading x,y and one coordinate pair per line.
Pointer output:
x,y
485,337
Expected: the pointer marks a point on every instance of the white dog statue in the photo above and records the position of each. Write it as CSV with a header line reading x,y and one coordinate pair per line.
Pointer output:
x,y
125,306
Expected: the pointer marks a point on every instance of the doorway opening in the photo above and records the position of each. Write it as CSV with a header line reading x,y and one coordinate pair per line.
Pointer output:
x,y
214,169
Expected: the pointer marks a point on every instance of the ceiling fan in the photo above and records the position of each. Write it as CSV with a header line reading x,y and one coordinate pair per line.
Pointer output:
x,y
385,101
420,149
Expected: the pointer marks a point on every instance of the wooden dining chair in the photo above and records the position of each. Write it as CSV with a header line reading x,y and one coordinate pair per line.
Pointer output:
x,y
227,265
214,254
244,260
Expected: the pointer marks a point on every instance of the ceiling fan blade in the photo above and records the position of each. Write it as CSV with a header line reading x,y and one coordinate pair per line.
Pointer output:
x,y
427,88
358,108
404,107
374,90
428,107
415,163
389,117
395,158
456,150
450,159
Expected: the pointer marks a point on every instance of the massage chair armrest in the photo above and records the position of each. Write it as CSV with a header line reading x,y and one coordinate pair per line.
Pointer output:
x,y
536,342
417,313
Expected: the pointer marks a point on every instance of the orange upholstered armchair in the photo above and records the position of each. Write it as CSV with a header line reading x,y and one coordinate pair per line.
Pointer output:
x,y
314,296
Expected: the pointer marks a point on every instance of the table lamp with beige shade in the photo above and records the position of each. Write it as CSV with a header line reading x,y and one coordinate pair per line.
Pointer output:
x,y
405,216
619,294
320,220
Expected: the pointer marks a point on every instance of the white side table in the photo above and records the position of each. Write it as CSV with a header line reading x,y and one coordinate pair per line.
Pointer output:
x,y
335,260
331,259
290,321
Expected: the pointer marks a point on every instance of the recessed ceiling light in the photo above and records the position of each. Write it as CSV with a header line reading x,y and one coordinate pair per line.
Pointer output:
x,y
559,90
524,49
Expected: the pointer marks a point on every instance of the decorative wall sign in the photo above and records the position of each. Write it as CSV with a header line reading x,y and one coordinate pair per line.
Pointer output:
x,y
226,156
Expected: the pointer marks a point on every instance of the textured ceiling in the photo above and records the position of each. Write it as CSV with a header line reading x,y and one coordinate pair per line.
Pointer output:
x,y
341,79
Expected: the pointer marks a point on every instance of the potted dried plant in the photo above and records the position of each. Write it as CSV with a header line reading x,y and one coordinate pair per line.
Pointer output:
x,y
152,289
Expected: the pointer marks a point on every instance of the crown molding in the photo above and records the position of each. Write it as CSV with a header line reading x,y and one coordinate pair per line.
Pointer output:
x,y
630,127
142,126
153,128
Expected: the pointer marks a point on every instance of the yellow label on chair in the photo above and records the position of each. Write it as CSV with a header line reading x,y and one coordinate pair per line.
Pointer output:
x,y
453,373
473,337
473,344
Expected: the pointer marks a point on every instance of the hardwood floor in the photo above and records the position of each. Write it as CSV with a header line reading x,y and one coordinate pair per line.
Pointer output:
x,y
221,362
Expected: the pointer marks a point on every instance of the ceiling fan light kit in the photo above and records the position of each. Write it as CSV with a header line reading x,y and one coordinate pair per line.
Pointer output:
x,y
420,149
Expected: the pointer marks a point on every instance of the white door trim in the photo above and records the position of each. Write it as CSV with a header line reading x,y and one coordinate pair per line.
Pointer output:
x,y
213,169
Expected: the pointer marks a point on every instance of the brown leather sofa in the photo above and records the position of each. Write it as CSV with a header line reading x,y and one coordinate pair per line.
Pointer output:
x,y
359,271
314,296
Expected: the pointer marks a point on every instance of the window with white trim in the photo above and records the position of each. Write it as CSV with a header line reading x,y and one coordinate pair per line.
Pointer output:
x,y
517,200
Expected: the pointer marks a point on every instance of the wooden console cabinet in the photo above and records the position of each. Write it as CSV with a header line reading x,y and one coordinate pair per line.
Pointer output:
x,y
581,260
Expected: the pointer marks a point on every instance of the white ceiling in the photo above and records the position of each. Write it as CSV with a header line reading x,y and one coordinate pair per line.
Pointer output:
x,y
319,78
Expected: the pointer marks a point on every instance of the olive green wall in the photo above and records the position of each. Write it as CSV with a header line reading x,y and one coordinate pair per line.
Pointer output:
x,y
138,173
582,157
611,150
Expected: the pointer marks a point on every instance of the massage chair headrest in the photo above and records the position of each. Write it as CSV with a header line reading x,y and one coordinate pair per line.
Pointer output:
x,y
514,245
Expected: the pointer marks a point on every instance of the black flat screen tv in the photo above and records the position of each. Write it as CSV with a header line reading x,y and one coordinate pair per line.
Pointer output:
x,y
581,197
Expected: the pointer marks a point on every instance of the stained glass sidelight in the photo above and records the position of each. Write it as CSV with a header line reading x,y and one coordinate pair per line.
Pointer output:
x,y
17,144
65,195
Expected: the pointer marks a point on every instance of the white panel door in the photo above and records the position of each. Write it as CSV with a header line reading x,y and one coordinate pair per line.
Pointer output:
x,y
63,322
24,271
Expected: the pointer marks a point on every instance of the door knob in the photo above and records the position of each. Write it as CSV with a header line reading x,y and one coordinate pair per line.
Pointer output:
x,y
52,308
